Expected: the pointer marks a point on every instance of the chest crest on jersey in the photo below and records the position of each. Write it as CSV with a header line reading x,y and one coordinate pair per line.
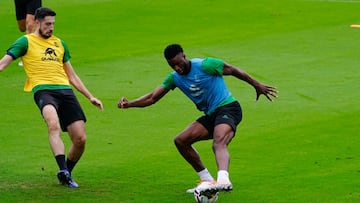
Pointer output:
x,y
49,54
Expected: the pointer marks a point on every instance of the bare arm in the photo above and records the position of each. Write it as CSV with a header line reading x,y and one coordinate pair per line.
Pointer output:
x,y
259,87
5,61
143,101
79,85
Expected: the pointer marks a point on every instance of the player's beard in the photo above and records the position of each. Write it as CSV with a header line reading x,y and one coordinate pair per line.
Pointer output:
x,y
45,35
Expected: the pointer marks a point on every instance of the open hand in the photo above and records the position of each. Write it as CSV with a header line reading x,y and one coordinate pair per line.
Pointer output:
x,y
269,92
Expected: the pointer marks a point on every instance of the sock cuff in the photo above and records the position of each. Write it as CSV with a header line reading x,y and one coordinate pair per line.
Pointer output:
x,y
223,173
205,175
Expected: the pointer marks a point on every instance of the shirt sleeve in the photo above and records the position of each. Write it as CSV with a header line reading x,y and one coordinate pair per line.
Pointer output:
x,y
18,48
67,55
213,66
169,83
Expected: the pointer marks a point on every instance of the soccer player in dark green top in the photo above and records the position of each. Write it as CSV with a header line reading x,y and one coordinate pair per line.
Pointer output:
x,y
201,80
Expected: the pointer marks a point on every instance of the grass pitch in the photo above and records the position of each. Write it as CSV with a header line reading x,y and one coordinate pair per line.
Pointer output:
x,y
301,148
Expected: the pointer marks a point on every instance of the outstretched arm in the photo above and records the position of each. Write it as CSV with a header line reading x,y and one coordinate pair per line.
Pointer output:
x,y
259,87
79,85
143,101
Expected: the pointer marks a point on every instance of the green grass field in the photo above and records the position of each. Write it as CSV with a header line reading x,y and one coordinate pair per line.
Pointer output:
x,y
304,147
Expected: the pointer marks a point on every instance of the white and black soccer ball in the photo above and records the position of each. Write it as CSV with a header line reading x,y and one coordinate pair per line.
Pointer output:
x,y
205,198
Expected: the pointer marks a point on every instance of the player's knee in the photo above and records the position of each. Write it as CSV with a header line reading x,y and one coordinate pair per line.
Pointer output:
x,y
53,126
218,144
80,141
177,141
22,29
180,142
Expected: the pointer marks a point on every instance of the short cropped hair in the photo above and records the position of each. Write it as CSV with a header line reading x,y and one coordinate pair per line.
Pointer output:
x,y
172,50
42,12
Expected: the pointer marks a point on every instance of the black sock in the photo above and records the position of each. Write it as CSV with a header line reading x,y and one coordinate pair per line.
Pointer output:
x,y
70,164
60,160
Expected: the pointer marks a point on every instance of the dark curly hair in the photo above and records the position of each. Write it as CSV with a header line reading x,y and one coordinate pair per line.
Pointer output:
x,y
172,50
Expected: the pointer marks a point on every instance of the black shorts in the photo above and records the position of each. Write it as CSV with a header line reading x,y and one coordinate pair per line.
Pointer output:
x,y
65,103
24,7
230,114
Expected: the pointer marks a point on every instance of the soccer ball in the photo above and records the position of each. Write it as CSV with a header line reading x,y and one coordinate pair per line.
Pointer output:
x,y
205,198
